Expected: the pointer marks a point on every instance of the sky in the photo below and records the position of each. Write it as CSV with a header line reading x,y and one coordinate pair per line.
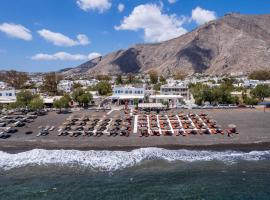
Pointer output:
x,y
48,35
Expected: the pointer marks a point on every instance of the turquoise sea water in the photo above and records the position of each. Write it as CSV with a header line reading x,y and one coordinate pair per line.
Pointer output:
x,y
141,174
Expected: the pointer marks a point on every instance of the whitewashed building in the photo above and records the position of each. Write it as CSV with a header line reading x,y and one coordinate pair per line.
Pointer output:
x,y
172,99
3,85
65,85
7,96
87,83
174,87
123,94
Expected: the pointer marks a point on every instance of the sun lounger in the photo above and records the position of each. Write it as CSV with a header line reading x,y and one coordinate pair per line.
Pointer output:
x,y
46,128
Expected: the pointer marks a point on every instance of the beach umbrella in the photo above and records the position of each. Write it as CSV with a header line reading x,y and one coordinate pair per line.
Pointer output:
x,y
232,126
125,123
144,128
78,122
123,129
62,127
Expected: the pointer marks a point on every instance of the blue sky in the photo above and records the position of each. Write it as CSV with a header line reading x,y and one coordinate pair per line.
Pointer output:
x,y
46,35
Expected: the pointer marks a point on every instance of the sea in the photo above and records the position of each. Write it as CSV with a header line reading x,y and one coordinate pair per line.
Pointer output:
x,y
146,173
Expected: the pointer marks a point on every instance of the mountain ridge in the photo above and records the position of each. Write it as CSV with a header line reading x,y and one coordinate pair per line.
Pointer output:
x,y
233,43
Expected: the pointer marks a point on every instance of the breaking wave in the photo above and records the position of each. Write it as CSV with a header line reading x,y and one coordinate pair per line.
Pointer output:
x,y
115,160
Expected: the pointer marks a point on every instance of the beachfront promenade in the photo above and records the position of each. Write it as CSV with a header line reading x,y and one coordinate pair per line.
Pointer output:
x,y
253,126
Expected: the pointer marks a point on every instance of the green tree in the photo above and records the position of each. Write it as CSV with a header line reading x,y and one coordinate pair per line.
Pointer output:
x,y
162,80
104,88
218,94
81,96
157,87
119,80
130,79
85,99
50,82
136,103
260,75
24,97
61,103
36,103
77,93
76,85
179,75
13,105
16,79
260,92
249,100
102,77
153,77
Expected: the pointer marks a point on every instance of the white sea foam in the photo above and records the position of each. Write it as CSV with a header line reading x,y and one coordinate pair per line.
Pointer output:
x,y
114,160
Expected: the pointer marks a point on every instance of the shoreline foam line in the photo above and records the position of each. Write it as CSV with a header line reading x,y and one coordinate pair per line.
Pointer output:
x,y
116,160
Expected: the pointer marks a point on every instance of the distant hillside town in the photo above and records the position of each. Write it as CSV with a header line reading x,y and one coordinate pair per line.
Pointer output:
x,y
52,90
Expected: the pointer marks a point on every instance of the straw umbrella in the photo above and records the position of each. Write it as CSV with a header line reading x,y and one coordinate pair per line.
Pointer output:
x,y
232,126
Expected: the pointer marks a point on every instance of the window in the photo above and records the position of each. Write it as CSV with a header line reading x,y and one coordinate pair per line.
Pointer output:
x,y
126,92
130,91
0,94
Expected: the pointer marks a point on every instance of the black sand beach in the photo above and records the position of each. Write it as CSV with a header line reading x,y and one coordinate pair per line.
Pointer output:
x,y
253,126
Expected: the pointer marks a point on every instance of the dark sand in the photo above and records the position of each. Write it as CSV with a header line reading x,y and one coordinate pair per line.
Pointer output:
x,y
253,126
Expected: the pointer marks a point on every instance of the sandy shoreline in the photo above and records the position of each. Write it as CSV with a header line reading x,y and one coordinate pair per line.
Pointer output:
x,y
253,125
214,147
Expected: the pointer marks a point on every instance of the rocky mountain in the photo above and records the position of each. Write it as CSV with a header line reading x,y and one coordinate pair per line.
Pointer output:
x,y
234,43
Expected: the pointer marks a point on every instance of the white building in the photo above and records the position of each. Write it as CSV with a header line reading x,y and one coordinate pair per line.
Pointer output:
x,y
87,83
174,87
123,94
3,85
173,100
65,85
251,83
7,96
37,80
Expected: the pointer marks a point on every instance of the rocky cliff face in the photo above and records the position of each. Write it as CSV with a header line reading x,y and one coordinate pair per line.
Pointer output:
x,y
234,43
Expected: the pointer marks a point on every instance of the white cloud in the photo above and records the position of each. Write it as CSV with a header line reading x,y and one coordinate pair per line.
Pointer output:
x,y
64,56
121,7
201,16
157,26
59,39
16,31
100,5
93,55
172,1
83,39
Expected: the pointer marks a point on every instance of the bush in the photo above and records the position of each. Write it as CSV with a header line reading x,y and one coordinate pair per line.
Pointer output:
x,y
63,102
81,96
260,75
153,77
36,104
104,88
260,92
215,95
